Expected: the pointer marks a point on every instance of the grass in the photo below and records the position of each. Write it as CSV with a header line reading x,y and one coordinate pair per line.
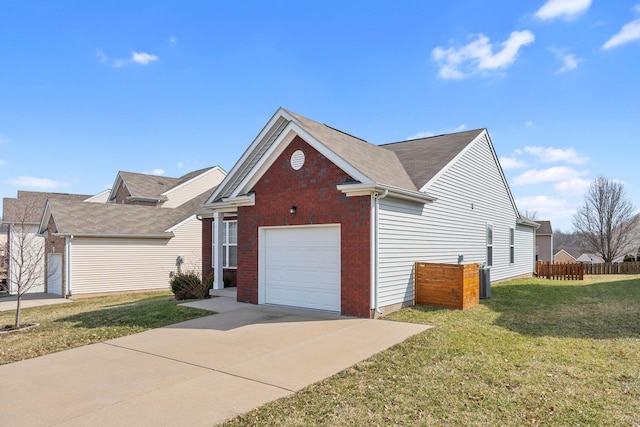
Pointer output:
x,y
88,321
539,352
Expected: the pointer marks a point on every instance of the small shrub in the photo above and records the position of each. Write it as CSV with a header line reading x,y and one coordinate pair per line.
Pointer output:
x,y
629,258
189,285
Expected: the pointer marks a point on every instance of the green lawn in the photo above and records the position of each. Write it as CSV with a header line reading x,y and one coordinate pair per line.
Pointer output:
x,y
87,321
539,352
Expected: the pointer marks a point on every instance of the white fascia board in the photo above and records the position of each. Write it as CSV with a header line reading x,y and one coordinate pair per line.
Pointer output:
x,y
289,133
180,224
256,141
358,189
214,168
527,222
504,178
44,221
118,236
230,204
114,188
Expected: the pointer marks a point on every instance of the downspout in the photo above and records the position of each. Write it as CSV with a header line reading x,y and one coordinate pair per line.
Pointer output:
x,y
67,262
376,247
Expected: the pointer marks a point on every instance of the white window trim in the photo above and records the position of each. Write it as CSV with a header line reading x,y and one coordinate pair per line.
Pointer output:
x,y
489,244
225,246
512,246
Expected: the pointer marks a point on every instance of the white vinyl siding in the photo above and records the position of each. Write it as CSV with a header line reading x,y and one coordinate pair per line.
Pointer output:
x,y
129,264
193,188
470,194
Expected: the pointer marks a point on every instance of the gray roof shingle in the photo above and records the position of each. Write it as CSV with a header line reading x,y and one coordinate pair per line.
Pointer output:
x,y
29,206
377,163
119,219
545,227
153,186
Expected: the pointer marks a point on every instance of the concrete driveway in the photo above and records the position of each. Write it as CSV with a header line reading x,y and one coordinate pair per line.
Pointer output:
x,y
197,373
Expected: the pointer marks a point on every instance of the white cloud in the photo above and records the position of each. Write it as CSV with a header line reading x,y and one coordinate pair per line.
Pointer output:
x,y
630,32
567,9
31,181
136,57
569,60
555,155
529,124
478,55
558,210
574,186
156,171
2,162
173,40
143,57
180,165
554,174
511,163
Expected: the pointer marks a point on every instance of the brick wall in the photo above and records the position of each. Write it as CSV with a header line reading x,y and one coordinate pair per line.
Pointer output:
x,y
313,190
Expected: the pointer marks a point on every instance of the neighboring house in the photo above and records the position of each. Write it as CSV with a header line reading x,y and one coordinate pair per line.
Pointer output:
x,y
589,258
132,242
22,216
564,257
544,242
313,217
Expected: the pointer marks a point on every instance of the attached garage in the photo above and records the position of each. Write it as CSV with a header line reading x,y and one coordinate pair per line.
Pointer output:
x,y
300,266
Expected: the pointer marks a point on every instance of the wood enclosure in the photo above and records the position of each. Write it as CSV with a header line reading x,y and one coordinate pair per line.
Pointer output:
x,y
560,271
447,285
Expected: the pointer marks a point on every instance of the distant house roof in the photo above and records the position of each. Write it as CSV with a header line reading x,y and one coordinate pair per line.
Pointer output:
x,y
153,187
545,228
563,253
111,219
587,257
29,205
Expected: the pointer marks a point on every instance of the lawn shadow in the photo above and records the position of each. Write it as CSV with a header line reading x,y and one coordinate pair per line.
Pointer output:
x,y
569,309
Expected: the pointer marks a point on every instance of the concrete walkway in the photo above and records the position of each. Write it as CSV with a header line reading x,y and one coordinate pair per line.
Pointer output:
x,y
195,373
31,300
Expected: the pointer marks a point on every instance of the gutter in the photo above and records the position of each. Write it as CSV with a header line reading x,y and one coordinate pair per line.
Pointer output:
x,y
67,261
359,189
129,236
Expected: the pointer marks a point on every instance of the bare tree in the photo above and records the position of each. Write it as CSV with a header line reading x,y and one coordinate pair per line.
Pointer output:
x,y
606,222
532,215
26,252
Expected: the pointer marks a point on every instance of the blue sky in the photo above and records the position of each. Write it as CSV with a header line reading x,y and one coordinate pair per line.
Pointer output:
x,y
90,88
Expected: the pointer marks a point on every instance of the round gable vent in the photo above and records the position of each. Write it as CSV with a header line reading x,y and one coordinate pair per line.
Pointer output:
x,y
297,159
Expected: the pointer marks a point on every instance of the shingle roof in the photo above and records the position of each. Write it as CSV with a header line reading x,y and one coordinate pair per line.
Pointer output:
x,y
119,219
424,158
377,163
29,205
545,227
153,186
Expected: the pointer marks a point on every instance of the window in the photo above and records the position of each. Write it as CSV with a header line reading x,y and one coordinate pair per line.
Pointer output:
x,y
512,247
489,245
229,245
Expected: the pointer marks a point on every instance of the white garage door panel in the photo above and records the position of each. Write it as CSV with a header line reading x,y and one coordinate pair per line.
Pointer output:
x,y
302,267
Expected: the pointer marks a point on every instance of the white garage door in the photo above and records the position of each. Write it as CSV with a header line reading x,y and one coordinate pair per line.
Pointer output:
x,y
301,267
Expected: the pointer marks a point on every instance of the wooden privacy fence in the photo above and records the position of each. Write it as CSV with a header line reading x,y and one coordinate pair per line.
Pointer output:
x,y
447,285
560,271
613,268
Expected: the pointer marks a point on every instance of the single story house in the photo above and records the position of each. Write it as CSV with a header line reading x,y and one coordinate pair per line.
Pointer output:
x,y
544,242
313,217
145,232
564,257
24,249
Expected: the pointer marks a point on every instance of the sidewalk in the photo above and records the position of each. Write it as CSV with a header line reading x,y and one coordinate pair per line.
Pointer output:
x,y
31,300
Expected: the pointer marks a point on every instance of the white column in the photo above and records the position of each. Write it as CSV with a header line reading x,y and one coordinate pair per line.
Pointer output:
x,y
218,229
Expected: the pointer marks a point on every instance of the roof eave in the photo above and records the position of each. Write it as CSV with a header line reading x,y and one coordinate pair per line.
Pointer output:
x,y
227,204
360,189
118,235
